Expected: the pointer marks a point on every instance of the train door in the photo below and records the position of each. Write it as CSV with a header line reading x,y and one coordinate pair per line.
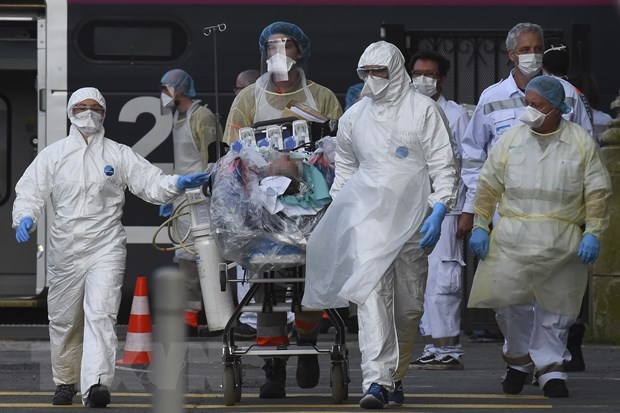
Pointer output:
x,y
21,39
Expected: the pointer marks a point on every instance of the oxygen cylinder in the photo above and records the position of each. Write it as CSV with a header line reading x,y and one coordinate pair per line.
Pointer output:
x,y
218,304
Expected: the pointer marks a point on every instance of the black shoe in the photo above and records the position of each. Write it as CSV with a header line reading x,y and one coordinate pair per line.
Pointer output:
x,y
275,373
63,395
245,331
98,396
443,362
308,370
421,362
555,388
514,381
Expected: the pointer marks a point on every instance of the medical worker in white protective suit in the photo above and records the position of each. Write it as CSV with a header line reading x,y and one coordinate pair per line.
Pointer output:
x,y
394,162
85,175
550,183
194,130
441,322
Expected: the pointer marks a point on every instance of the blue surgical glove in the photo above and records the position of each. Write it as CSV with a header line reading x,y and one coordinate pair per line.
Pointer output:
x,y
165,210
192,181
22,232
589,248
479,242
432,226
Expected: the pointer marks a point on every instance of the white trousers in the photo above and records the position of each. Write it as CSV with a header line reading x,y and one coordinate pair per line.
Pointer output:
x,y
389,318
531,331
83,308
441,322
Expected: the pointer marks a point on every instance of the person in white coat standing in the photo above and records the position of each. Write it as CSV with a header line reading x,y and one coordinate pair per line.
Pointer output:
x,y
441,323
85,176
395,180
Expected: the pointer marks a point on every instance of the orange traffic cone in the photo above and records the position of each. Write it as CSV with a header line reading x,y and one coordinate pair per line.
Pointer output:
x,y
138,341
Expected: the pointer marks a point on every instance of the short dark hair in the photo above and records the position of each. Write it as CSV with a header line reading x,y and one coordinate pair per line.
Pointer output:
x,y
443,64
556,59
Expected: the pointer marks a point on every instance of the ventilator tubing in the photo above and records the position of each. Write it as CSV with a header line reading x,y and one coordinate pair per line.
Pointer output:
x,y
218,304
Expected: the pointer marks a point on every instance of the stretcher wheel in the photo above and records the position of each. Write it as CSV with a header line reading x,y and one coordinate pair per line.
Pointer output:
x,y
229,386
339,385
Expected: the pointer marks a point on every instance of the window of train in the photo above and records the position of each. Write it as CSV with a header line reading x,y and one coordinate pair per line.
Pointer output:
x,y
127,41
4,150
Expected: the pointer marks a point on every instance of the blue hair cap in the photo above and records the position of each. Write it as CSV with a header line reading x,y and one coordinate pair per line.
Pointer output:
x,y
552,90
353,95
289,29
181,81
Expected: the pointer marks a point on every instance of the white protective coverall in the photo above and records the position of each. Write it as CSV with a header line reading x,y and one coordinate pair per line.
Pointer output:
x,y
86,255
441,322
532,275
366,247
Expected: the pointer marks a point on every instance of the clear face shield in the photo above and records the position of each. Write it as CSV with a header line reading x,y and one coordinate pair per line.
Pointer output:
x,y
166,99
278,62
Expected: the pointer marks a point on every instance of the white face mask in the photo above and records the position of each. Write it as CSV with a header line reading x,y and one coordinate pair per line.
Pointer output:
x,y
530,64
167,101
279,65
375,87
532,117
425,85
88,122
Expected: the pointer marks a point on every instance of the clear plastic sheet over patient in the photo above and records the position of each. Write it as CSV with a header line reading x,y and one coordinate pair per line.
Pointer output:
x,y
245,231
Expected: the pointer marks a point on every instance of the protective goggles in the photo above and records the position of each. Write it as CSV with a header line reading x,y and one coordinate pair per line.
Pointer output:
x,y
377,71
82,108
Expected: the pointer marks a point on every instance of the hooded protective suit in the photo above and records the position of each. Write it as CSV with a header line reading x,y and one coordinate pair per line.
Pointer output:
x,y
365,249
86,178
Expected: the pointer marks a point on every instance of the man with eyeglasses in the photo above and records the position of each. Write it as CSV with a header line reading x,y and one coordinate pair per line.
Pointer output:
x,y
85,176
441,323
395,180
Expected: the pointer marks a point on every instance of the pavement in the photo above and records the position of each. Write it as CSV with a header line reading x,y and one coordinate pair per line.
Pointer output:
x,y
26,385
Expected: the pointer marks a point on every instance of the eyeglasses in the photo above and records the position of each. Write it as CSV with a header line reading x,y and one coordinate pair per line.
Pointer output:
x,y
427,73
82,108
378,71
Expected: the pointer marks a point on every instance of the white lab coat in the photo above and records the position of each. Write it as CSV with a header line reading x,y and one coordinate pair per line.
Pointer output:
x,y
86,256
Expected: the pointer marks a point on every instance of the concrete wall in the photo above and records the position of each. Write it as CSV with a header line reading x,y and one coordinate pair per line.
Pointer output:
x,y
605,287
